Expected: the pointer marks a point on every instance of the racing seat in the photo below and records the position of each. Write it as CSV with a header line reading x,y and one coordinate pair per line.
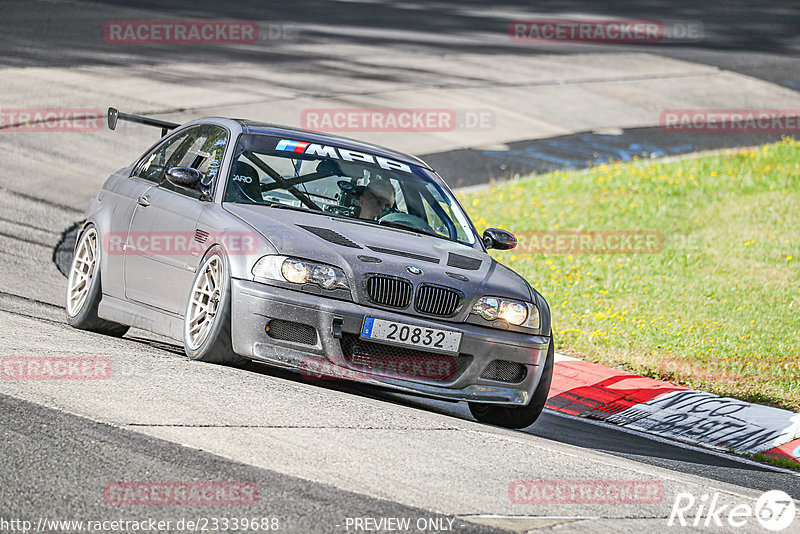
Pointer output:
x,y
328,167
246,185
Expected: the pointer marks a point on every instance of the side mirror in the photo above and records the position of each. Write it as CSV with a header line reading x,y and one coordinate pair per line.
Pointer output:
x,y
499,239
113,115
185,177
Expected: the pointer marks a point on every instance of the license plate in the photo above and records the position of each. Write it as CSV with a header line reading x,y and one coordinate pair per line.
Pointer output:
x,y
394,333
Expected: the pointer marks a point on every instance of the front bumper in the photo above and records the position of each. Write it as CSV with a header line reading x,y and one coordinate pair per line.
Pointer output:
x,y
255,304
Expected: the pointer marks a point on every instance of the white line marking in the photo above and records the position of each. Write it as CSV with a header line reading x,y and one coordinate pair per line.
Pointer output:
x,y
565,358
497,516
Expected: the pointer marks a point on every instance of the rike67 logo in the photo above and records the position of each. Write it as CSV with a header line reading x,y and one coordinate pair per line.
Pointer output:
x,y
774,510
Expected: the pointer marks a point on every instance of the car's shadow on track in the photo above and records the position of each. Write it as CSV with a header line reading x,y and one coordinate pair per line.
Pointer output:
x,y
161,345
573,431
552,426
605,438
345,386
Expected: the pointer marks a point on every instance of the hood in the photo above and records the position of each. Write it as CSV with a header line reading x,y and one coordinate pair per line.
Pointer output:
x,y
361,248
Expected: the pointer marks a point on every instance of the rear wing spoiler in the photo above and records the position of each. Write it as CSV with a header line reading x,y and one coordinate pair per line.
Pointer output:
x,y
114,115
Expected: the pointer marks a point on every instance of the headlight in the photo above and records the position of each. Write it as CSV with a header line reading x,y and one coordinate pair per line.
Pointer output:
x,y
326,276
295,271
511,311
487,307
299,271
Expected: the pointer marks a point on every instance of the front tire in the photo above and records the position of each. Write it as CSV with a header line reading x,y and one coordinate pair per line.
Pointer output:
x,y
83,288
207,323
519,416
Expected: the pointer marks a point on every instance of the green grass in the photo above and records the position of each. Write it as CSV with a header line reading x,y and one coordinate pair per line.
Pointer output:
x,y
786,463
718,308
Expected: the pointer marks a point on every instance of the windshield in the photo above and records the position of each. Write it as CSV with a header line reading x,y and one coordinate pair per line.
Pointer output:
x,y
327,179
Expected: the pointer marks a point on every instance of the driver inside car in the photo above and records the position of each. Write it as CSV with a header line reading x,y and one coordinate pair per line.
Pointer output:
x,y
376,198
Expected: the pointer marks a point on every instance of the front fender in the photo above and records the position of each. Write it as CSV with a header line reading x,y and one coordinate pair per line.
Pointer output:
x,y
242,245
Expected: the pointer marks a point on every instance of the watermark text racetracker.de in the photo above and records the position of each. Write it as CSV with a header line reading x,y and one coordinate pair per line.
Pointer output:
x,y
586,492
50,119
396,119
730,121
624,31
55,368
191,32
181,493
589,242
178,244
434,367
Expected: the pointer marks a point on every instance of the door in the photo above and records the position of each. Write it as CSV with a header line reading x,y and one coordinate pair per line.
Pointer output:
x,y
122,199
162,230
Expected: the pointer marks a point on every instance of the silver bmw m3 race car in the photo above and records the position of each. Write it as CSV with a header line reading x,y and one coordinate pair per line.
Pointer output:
x,y
251,241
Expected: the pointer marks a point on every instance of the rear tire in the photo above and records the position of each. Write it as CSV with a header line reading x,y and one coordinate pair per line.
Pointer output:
x,y
207,323
83,288
519,416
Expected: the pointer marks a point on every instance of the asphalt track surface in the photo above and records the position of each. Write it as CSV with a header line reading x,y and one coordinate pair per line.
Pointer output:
x,y
757,40
319,452
474,166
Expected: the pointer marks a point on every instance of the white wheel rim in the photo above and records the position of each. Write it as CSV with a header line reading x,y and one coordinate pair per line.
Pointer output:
x,y
84,267
204,302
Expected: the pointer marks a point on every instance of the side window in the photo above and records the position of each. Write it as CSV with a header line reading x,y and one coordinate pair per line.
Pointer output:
x,y
203,149
153,166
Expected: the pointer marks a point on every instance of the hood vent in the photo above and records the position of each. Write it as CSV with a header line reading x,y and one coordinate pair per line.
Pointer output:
x,y
411,255
330,236
463,262
457,276
368,259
